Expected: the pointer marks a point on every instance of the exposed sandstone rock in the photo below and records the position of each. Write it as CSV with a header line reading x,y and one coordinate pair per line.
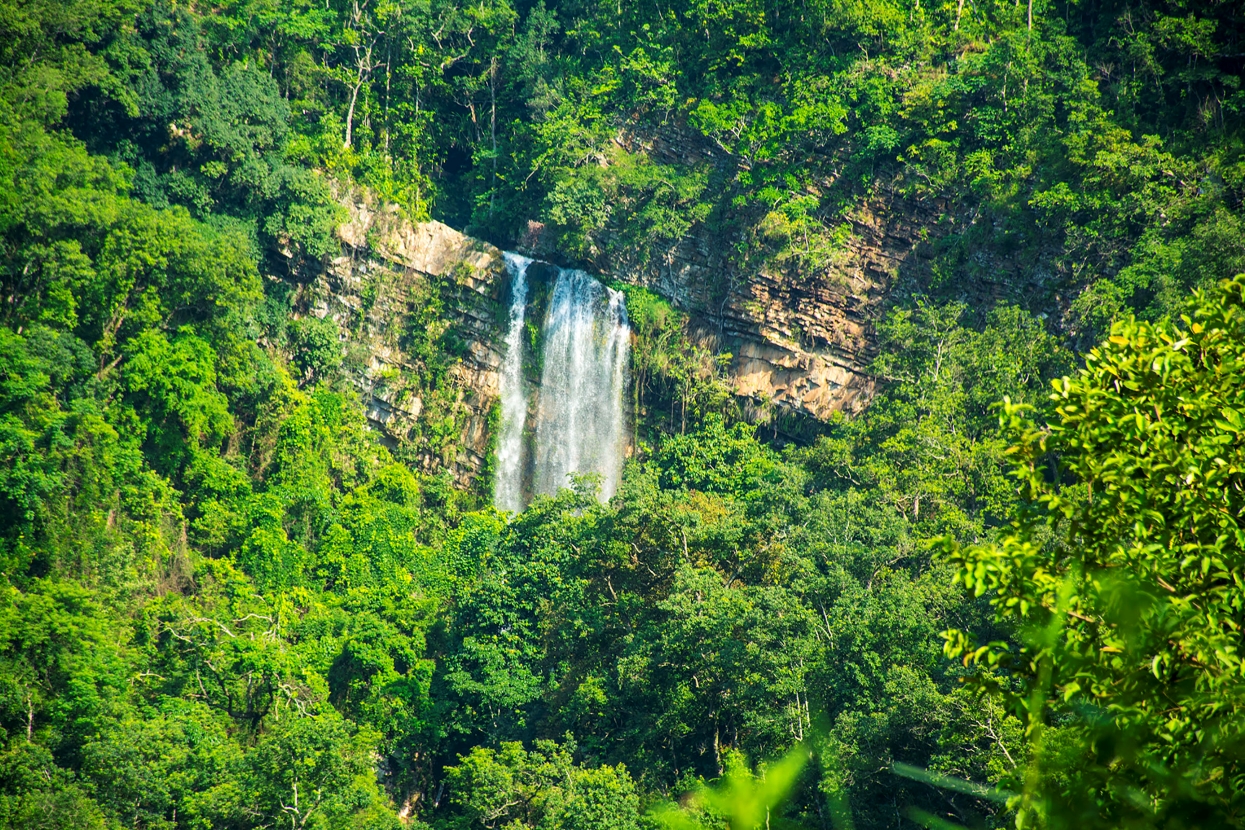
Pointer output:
x,y
388,267
800,341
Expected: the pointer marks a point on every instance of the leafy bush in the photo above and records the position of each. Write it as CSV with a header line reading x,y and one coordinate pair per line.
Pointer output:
x,y
1123,573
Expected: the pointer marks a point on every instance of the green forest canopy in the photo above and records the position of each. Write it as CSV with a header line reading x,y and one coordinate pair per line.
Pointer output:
x,y
227,604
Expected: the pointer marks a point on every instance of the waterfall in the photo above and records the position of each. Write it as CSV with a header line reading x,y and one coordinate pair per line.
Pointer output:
x,y
508,481
580,418
579,425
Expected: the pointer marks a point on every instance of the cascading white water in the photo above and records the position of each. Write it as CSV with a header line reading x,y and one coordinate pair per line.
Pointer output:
x,y
579,416
508,481
580,419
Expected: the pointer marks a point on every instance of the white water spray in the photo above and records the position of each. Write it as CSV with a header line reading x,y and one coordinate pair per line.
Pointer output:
x,y
508,482
580,421
579,425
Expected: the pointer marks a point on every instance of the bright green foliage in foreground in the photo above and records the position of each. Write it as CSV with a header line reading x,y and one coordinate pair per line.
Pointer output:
x,y
743,798
1126,572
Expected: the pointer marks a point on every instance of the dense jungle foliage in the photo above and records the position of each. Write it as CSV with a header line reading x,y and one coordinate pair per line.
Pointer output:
x,y
227,605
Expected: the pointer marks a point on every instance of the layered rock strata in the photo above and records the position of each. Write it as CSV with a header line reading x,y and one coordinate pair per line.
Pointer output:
x,y
800,341
388,268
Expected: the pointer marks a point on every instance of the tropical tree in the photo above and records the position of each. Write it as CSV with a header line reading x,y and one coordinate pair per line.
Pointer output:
x,y
1123,574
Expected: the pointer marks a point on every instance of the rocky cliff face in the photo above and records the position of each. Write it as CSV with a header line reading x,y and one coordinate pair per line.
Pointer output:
x,y
800,343
800,340
395,286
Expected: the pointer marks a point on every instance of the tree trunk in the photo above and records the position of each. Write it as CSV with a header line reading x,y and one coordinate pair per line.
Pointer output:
x,y
492,92
354,96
